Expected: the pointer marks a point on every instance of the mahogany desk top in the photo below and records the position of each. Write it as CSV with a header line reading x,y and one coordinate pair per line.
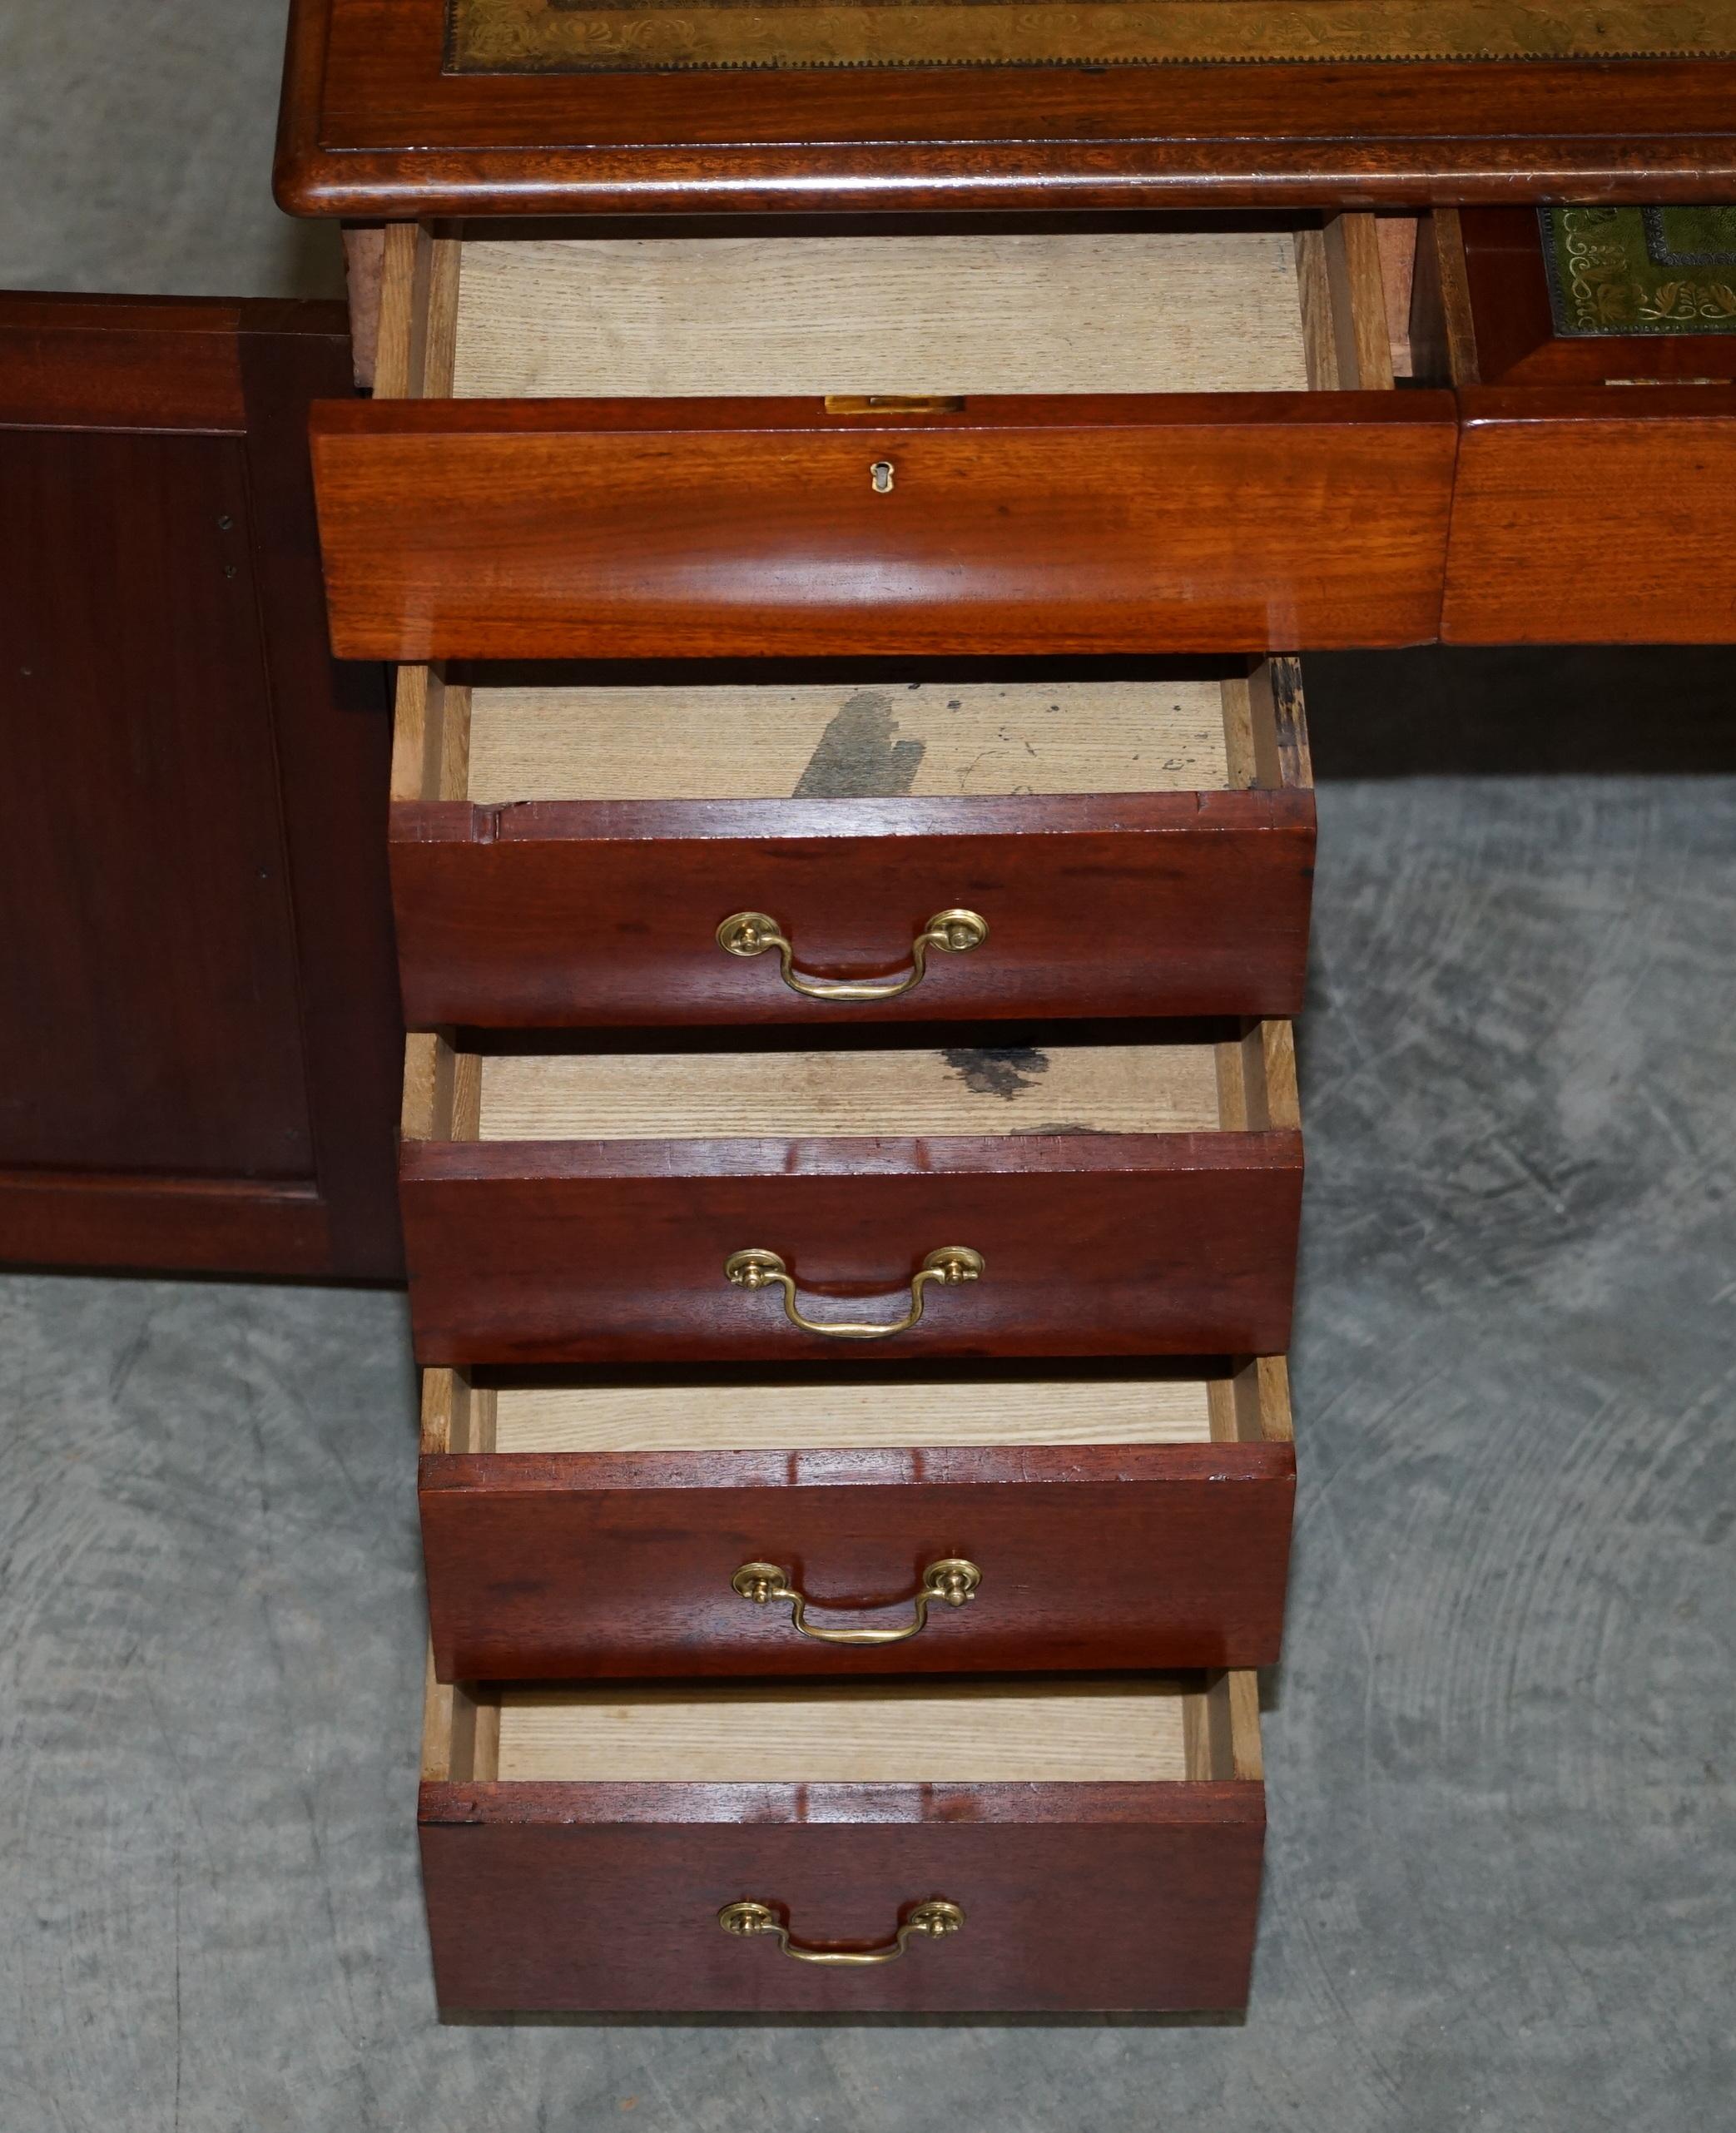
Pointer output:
x,y
404,108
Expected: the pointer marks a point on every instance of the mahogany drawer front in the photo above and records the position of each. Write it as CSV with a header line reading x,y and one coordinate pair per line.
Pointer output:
x,y
1593,516
562,915
1136,847
1110,1245
851,1176
1057,1889
1101,1522
544,529
1591,500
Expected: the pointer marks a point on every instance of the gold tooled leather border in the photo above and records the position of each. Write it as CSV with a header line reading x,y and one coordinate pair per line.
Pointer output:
x,y
1604,279
529,36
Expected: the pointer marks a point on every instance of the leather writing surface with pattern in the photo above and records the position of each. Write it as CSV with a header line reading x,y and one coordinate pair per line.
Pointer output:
x,y
588,36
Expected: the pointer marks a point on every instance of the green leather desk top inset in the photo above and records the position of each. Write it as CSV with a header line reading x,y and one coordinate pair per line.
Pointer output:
x,y
510,37
1641,270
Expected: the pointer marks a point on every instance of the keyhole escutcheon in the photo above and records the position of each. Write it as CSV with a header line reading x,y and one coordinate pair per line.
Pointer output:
x,y
881,474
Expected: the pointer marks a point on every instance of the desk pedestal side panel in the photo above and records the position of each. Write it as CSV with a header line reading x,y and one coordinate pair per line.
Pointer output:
x,y
198,1062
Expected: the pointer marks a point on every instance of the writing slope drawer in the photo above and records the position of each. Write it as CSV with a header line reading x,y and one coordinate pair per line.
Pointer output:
x,y
754,1524
555,529
1089,1845
1053,1199
1141,844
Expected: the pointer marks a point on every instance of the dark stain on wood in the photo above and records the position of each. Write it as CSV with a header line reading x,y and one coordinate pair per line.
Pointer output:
x,y
1003,1071
858,758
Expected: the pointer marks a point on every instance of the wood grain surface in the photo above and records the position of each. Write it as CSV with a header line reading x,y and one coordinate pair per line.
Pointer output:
x,y
126,363
572,529
1115,1730
867,1407
1593,516
194,962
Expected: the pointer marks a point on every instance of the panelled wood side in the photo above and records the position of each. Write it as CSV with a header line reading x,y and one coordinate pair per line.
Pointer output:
x,y
197,1065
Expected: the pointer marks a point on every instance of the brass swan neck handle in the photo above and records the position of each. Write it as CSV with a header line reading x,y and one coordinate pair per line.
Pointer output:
x,y
757,1269
952,1580
931,1921
748,933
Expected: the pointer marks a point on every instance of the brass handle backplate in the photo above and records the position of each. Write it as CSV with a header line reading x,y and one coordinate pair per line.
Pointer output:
x,y
953,1579
930,1921
757,1269
748,933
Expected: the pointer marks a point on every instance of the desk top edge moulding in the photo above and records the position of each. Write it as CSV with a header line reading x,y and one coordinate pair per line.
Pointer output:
x,y
395,108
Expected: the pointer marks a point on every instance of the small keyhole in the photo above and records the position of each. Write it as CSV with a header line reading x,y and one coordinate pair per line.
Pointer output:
x,y
881,474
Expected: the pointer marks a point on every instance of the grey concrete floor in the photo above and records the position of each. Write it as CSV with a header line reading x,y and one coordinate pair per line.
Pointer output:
x,y
1500,1874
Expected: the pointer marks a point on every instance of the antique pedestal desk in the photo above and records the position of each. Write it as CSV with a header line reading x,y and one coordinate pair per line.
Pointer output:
x,y
844,486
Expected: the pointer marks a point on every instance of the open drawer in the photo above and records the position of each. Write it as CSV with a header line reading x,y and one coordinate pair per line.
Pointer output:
x,y
1055,1197
1140,842
980,1845
1082,441
1074,441
872,1521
